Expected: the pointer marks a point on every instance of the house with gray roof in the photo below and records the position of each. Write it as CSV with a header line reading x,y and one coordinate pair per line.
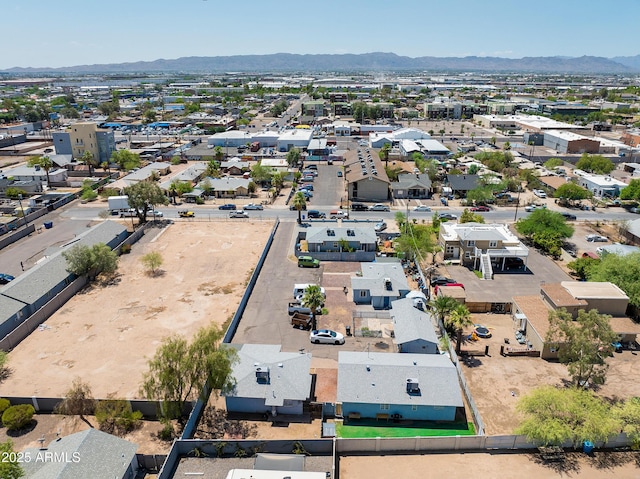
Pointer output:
x,y
421,387
412,186
268,380
235,166
460,184
36,173
36,287
338,243
379,284
413,327
227,187
89,453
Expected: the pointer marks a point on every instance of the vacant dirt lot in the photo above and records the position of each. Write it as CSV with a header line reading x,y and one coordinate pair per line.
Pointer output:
x,y
619,465
498,382
105,335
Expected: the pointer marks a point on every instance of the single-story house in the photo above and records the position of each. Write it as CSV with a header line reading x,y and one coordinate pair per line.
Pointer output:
x,y
36,173
600,185
227,187
531,313
412,186
413,327
268,380
235,166
379,284
461,184
89,453
332,238
397,386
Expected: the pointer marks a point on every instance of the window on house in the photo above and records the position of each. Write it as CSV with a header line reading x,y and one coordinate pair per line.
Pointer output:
x,y
471,243
384,407
363,293
449,249
467,254
493,244
414,407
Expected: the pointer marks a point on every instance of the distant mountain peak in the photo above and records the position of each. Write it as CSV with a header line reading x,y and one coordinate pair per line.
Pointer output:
x,y
374,61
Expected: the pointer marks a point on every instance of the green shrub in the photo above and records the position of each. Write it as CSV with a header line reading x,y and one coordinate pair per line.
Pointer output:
x,y
175,160
17,417
115,416
166,433
199,201
4,405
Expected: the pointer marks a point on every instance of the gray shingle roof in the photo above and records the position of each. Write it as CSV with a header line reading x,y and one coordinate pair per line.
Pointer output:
x,y
373,275
289,374
98,455
463,182
410,323
228,183
381,378
409,181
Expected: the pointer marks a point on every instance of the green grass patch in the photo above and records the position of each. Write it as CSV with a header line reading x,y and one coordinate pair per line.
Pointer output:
x,y
425,429
477,273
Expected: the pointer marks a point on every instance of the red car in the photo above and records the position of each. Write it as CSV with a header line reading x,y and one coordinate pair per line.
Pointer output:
x,y
480,208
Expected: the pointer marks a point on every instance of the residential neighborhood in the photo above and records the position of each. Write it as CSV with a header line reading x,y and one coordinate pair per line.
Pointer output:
x,y
228,274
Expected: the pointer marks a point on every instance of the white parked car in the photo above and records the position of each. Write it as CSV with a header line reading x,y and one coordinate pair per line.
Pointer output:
x,y
593,238
422,208
238,214
326,336
540,193
252,206
379,207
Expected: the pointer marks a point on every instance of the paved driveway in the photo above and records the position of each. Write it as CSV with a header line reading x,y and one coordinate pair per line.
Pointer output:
x,y
266,321
509,283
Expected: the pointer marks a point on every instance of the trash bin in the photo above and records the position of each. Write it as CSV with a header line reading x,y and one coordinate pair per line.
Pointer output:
x,y
587,447
48,224
348,330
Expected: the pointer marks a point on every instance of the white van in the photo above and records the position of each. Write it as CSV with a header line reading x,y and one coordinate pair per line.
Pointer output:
x,y
298,289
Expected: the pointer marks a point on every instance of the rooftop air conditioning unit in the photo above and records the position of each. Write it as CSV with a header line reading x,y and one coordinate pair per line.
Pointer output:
x,y
412,386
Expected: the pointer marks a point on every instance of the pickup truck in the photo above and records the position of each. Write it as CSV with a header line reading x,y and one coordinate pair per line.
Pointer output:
x,y
298,307
186,214
301,320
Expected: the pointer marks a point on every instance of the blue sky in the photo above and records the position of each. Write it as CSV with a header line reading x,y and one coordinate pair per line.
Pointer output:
x,y
38,33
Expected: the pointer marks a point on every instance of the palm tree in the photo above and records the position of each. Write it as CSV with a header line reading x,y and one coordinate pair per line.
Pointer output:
x,y
299,202
384,153
87,159
173,191
277,181
459,319
443,305
313,299
43,162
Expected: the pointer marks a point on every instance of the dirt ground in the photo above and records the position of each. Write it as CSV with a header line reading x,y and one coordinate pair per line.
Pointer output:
x,y
49,425
105,335
619,465
498,382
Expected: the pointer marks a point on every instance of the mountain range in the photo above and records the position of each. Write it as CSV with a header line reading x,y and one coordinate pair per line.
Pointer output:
x,y
378,61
